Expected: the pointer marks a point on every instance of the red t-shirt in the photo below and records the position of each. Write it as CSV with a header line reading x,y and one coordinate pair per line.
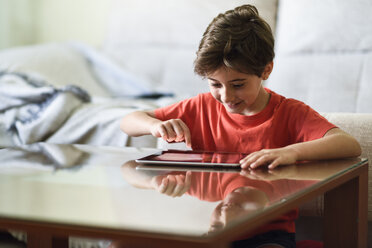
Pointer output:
x,y
282,122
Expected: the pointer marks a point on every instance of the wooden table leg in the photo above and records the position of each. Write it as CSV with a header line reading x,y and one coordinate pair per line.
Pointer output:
x,y
60,242
40,240
345,212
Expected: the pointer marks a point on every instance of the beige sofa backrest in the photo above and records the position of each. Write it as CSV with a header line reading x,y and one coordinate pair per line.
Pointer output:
x,y
324,54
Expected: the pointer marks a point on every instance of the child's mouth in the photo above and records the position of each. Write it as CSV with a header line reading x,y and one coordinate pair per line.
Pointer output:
x,y
233,105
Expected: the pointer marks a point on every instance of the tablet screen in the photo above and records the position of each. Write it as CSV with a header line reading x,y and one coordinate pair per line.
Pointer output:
x,y
196,158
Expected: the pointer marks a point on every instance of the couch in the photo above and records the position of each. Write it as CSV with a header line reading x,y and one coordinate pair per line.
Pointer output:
x,y
323,57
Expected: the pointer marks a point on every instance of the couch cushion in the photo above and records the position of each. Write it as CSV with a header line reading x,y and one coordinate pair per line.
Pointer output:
x,y
323,54
327,82
324,26
57,63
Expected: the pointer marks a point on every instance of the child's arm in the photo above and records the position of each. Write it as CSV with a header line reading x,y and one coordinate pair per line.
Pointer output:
x,y
334,144
144,122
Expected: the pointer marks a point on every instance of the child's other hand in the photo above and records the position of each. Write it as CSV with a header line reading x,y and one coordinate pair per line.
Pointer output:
x,y
172,185
270,157
173,130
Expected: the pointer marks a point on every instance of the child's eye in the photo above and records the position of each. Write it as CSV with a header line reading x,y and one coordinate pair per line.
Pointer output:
x,y
215,85
238,85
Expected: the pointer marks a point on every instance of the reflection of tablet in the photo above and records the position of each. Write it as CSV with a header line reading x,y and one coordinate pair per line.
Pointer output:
x,y
194,158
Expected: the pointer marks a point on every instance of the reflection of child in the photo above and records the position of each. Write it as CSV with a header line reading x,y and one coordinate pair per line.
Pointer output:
x,y
238,114
241,196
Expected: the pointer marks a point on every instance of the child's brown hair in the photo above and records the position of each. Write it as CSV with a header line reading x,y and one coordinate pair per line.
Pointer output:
x,y
238,39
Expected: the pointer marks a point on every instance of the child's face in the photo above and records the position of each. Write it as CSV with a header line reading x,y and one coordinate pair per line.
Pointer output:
x,y
239,93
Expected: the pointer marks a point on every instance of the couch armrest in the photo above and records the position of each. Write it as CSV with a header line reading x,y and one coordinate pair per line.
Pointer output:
x,y
358,125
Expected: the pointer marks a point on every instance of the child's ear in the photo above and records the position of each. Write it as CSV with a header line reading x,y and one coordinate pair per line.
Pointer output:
x,y
267,71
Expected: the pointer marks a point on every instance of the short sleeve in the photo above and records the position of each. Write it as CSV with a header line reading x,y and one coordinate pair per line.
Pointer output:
x,y
306,122
179,110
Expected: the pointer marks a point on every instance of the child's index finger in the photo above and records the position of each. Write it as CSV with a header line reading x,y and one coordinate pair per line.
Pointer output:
x,y
187,134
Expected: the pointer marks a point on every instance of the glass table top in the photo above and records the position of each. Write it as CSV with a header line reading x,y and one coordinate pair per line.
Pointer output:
x,y
105,187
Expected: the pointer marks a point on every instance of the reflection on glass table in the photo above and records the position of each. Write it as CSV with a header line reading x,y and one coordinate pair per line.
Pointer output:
x,y
238,194
51,190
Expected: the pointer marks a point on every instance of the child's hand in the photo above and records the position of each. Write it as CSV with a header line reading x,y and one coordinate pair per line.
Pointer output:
x,y
270,157
173,130
172,185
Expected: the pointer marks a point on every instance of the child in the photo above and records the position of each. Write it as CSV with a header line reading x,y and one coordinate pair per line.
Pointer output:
x,y
238,114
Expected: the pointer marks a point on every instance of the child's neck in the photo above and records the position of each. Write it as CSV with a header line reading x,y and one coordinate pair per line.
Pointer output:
x,y
262,101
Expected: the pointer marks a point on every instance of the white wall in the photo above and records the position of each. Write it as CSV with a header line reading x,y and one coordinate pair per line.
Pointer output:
x,y
24,22
17,25
82,20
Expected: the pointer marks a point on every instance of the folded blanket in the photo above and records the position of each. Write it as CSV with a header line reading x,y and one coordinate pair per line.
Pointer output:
x,y
40,157
31,110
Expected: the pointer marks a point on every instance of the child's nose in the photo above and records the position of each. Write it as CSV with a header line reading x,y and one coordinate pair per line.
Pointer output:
x,y
227,95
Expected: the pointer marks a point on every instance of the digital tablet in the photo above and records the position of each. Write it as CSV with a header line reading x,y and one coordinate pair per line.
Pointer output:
x,y
194,158
172,168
